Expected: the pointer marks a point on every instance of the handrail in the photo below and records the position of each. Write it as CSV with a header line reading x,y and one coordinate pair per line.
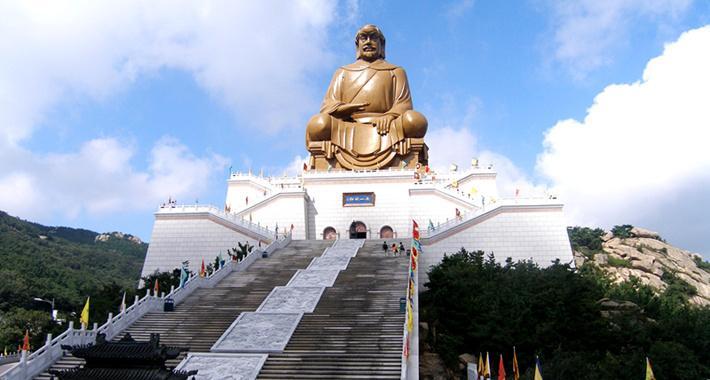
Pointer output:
x,y
465,217
31,365
232,217
410,330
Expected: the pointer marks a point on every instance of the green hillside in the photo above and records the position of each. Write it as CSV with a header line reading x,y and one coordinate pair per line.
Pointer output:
x,y
64,264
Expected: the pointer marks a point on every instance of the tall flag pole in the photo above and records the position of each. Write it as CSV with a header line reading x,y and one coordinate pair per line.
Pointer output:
x,y
123,303
480,367
501,368
26,341
183,277
203,271
487,368
516,371
649,370
538,369
84,320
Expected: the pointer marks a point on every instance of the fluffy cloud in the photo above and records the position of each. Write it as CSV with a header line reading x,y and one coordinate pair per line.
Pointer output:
x,y
257,68
586,32
255,61
640,155
99,178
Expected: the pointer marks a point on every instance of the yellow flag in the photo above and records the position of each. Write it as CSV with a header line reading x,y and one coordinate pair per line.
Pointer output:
x,y
487,368
516,371
480,364
649,371
538,372
85,314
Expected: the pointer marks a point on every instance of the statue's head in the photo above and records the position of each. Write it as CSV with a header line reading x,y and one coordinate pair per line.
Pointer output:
x,y
370,43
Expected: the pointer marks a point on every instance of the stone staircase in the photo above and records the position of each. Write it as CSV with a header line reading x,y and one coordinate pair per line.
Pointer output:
x,y
354,332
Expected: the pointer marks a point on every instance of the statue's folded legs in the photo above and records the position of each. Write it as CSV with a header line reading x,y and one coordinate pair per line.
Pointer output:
x,y
319,127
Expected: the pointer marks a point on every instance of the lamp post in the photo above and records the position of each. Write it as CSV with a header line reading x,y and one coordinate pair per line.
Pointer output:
x,y
51,312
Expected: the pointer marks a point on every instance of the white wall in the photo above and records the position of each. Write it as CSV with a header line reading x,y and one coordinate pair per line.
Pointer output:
x,y
538,233
283,209
179,238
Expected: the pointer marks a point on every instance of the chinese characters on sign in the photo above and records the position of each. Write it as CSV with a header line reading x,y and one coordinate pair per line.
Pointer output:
x,y
358,199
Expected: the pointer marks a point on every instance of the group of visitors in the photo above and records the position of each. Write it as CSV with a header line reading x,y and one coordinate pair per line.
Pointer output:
x,y
396,250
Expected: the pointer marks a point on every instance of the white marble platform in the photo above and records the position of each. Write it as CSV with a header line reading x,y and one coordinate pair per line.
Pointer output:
x,y
284,299
313,278
223,366
258,332
340,251
329,262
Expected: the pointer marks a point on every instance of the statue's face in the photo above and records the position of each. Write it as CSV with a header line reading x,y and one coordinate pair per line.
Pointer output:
x,y
369,46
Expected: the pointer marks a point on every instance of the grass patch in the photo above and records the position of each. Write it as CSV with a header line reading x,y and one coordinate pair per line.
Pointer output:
x,y
704,265
618,263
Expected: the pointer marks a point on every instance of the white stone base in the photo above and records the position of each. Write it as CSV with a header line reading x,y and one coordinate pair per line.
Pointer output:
x,y
258,332
211,366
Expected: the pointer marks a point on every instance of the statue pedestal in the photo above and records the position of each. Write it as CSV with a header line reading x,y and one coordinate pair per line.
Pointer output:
x,y
325,155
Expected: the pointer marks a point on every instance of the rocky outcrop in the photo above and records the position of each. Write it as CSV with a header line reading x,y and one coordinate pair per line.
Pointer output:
x,y
117,235
646,256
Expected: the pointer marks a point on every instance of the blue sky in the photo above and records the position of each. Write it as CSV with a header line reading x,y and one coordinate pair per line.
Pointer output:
x,y
107,109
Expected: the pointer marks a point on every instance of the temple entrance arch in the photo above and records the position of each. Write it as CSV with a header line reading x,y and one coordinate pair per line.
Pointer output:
x,y
358,230
386,232
329,233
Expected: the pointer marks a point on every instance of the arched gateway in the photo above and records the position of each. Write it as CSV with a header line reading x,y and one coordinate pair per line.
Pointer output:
x,y
358,230
386,232
329,233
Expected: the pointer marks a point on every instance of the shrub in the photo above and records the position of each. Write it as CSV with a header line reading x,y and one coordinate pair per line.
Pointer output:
x,y
623,231
618,263
585,237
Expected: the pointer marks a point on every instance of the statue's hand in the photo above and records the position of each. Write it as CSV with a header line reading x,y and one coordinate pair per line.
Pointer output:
x,y
348,109
383,124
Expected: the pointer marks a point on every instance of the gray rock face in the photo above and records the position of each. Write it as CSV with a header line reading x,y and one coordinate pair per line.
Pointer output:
x,y
649,259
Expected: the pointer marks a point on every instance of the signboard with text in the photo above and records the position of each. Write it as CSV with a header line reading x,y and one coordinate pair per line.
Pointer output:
x,y
358,199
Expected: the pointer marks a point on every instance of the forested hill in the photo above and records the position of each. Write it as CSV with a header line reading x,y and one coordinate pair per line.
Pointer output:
x,y
63,263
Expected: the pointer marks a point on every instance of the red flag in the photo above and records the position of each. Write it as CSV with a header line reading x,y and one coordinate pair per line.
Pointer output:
x,y
501,368
156,288
415,230
414,263
203,271
406,348
415,252
426,168
305,167
26,341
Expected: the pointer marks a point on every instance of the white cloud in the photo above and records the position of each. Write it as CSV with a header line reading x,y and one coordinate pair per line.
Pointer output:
x,y
641,153
99,179
254,60
586,32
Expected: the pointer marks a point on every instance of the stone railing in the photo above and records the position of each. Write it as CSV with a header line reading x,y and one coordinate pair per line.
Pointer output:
x,y
40,360
213,210
10,358
488,208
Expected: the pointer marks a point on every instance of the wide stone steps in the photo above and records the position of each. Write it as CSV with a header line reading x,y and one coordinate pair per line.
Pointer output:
x,y
202,317
355,332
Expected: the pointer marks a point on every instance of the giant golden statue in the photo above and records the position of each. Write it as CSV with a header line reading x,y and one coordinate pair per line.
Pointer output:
x,y
366,120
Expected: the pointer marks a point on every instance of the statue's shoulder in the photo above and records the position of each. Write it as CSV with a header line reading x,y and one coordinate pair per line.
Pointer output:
x,y
380,65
